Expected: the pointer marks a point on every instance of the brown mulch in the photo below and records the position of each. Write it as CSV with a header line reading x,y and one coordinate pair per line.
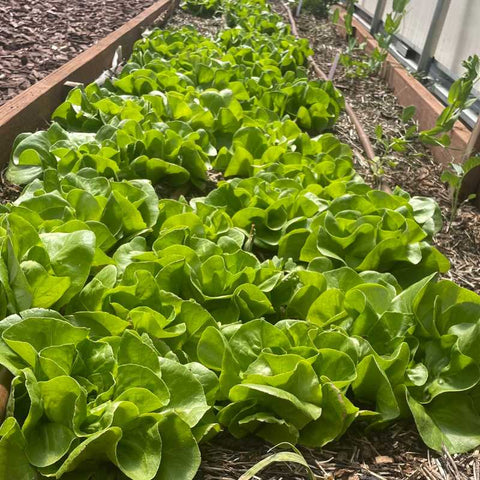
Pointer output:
x,y
38,36
396,453
208,27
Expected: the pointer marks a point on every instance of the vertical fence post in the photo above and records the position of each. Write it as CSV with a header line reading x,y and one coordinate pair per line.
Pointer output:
x,y
433,36
377,16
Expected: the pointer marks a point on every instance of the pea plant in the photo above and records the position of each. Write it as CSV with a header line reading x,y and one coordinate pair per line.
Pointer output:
x,y
350,7
391,27
454,176
371,64
459,99
388,145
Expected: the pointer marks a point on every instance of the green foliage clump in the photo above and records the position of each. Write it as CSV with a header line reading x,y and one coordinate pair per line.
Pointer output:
x,y
320,8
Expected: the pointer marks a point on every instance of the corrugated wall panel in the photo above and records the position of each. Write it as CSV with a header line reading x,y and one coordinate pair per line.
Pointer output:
x,y
414,27
368,5
460,37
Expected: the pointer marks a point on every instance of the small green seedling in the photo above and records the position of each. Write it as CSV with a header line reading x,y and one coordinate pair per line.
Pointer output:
x,y
290,457
390,145
454,177
372,63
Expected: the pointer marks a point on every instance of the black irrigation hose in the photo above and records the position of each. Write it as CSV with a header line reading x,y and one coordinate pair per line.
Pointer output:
x,y
363,137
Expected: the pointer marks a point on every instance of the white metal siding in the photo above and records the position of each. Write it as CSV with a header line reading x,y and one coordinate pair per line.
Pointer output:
x,y
460,36
368,5
415,25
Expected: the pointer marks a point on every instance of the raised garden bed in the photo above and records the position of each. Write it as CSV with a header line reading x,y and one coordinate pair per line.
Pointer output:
x,y
157,254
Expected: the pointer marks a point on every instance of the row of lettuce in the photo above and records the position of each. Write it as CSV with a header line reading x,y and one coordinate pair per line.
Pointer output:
x,y
286,302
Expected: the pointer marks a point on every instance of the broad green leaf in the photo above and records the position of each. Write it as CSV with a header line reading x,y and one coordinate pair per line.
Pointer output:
x,y
138,453
450,421
251,338
13,461
187,397
97,448
71,255
338,412
282,403
180,452
48,443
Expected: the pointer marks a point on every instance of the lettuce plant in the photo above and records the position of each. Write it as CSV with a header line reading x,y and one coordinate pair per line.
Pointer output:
x,y
365,345
81,403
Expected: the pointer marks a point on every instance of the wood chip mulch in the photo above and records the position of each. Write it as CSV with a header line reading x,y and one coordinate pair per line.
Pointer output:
x,y
38,36
396,453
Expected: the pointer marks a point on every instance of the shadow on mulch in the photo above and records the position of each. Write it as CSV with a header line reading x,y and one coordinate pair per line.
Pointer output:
x,y
395,453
